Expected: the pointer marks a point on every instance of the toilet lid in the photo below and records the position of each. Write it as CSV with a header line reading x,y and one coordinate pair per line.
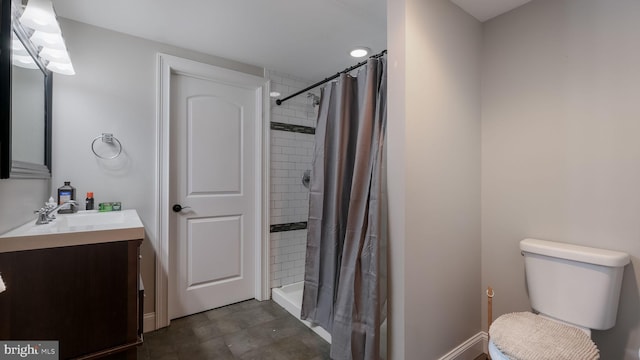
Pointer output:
x,y
526,336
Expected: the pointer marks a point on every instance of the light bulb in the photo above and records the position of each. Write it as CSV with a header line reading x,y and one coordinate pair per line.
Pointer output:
x,y
360,52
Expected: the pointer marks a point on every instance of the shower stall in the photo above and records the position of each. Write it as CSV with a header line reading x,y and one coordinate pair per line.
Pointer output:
x,y
292,142
332,236
290,298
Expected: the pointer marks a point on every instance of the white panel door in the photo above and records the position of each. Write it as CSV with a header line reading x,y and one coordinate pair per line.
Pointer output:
x,y
212,165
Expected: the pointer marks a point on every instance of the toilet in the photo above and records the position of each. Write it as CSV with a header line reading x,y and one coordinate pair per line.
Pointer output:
x,y
572,289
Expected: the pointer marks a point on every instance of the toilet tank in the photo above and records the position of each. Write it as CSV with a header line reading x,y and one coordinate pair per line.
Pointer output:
x,y
577,284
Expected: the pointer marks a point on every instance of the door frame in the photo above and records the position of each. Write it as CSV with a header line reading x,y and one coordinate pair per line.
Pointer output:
x,y
167,65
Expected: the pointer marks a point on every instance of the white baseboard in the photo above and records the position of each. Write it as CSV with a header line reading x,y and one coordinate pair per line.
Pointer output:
x,y
469,349
149,322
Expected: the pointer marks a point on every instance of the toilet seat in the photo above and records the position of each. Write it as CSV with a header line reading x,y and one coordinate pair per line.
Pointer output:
x,y
526,336
495,353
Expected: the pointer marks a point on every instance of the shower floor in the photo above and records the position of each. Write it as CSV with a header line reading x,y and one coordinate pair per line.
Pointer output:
x,y
290,298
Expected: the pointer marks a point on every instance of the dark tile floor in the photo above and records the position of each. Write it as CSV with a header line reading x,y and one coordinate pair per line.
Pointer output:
x,y
246,330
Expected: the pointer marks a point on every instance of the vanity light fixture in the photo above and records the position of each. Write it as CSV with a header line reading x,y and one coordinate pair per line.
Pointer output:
x,y
24,61
55,55
61,68
48,40
274,94
40,16
360,51
20,56
17,48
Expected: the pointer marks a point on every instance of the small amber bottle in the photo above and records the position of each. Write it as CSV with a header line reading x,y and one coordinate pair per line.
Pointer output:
x,y
89,201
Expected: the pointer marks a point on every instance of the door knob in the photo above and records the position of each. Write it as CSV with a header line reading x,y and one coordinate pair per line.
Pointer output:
x,y
178,207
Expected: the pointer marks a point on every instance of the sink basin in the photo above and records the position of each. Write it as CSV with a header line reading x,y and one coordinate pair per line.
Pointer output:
x,y
91,218
84,227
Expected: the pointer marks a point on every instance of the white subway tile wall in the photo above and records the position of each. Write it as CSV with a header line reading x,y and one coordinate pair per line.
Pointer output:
x,y
287,257
291,155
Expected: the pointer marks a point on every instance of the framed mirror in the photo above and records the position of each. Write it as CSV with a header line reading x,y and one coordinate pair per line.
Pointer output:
x,y
25,102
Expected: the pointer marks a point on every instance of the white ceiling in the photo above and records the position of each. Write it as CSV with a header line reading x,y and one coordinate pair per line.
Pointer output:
x,y
484,10
310,39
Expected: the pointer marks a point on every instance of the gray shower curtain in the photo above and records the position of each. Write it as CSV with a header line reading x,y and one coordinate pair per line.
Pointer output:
x,y
345,272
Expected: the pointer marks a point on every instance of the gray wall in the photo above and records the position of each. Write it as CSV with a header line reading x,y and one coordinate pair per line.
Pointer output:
x,y
114,91
561,145
434,177
19,199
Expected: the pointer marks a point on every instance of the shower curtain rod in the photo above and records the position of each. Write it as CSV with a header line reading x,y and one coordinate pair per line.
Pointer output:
x,y
280,101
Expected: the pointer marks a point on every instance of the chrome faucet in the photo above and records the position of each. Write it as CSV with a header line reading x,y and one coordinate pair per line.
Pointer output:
x,y
51,211
47,213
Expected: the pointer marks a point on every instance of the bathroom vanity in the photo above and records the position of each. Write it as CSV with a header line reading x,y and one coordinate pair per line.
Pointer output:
x,y
75,281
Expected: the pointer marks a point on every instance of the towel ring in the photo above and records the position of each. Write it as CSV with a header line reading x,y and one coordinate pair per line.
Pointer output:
x,y
109,139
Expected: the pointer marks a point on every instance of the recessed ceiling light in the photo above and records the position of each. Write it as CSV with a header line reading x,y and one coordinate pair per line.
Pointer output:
x,y
360,51
274,94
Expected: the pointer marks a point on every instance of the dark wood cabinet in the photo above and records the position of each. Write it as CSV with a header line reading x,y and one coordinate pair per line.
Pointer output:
x,y
87,297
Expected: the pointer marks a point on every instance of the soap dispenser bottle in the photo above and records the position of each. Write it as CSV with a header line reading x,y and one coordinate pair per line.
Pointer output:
x,y
66,193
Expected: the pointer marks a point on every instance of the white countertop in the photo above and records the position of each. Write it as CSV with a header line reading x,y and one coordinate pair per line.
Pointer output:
x,y
81,228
